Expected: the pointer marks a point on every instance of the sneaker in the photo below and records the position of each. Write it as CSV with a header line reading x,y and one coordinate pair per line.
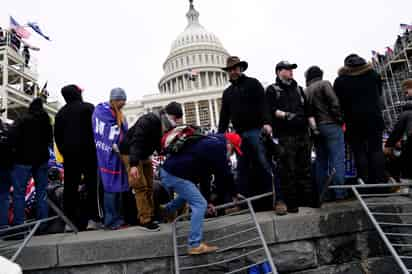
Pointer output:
x,y
150,226
202,249
281,208
93,225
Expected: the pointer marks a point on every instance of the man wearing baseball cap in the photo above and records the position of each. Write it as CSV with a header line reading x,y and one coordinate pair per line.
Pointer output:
x,y
289,112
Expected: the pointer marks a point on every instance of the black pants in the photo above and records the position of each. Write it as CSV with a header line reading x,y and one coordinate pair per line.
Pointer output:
x,y
369,158
80,167
295,172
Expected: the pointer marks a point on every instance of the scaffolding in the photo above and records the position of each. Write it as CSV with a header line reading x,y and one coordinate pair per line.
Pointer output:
x,y
18,77
395,67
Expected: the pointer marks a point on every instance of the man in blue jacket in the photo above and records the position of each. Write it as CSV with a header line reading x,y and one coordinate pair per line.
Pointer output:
x,y
183,170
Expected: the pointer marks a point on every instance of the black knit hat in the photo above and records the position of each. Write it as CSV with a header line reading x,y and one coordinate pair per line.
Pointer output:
x,y
175,109
313,72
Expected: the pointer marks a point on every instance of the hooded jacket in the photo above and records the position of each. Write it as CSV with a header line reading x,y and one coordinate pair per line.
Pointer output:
x,y
32,135
73,124
359,89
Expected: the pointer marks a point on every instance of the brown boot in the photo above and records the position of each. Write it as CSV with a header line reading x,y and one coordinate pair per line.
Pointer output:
x,y
202,249
281,208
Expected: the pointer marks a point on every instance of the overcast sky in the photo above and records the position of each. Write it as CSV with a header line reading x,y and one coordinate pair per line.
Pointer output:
x,y
103,44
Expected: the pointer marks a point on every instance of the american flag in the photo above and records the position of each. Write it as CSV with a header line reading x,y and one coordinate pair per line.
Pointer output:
x,y
30,197
406,27
20,30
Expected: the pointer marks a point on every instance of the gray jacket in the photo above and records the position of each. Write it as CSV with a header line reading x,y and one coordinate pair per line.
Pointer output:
x,y
323,102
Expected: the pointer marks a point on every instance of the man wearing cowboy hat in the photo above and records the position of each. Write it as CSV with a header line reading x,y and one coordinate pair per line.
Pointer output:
x,y
243,104
288,108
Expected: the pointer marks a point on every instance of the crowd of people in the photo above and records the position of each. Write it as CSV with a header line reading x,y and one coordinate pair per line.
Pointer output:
x,y
264,144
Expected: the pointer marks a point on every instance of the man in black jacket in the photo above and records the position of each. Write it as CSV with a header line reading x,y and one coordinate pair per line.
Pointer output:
x,y
142,140
403,132
31,136
359,89
289,111
243,104
74,138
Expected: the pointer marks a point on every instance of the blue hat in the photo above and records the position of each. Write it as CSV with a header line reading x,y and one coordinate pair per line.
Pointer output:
x,y
118,94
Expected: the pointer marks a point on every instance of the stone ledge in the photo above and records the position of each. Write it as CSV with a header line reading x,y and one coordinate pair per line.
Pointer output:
x,y
133,245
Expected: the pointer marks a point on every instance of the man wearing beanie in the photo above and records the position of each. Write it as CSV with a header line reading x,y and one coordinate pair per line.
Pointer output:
x,y
324,108
403,132
74,138
110,129
359,89
142,140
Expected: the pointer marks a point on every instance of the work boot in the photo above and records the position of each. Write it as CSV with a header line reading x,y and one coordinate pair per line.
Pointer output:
x,y
281,208
202,249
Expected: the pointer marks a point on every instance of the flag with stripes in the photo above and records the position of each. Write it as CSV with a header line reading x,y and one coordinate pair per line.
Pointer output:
x,y
20,30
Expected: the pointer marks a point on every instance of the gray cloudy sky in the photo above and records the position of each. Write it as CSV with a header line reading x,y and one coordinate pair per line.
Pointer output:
x,y
103,44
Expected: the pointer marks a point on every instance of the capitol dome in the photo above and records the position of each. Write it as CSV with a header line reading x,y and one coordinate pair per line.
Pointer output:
x,y
195,59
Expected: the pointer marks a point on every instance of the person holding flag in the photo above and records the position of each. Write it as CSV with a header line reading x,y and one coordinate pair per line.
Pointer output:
x,y
109,128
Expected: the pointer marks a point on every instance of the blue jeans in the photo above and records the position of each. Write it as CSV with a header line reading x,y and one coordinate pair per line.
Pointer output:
x,y
330,154
112,202
5,184
186,192
255,171
21,175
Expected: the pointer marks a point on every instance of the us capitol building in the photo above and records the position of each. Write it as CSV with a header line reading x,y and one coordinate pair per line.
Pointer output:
x,y
192,77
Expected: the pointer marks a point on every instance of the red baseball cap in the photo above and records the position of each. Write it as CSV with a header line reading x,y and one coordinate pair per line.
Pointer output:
x,y
235,140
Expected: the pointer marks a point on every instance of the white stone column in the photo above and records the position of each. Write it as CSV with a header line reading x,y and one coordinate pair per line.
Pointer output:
x,y
4,95
212,122
197,113
184,114
200,80
216,111
184,83
223,79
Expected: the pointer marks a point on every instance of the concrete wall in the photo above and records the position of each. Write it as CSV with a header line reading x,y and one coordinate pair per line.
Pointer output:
x,y
336,239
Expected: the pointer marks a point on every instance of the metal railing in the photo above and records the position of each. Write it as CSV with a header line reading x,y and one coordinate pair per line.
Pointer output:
x,y
14,239
378,205
241,241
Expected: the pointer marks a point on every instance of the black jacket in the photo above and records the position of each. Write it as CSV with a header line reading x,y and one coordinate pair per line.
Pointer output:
x,y
31,137
288,98
323,102
73,125
359,89
402,128
143,138
6,150
243,103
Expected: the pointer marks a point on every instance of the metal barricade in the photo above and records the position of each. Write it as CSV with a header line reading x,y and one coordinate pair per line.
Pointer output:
x,y
14,239
238,234
393,223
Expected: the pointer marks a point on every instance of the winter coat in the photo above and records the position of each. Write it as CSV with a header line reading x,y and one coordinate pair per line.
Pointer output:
x,y
359,89
31,138
288,98
73,125
402,128
143,138
243,103
323,103
201,159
